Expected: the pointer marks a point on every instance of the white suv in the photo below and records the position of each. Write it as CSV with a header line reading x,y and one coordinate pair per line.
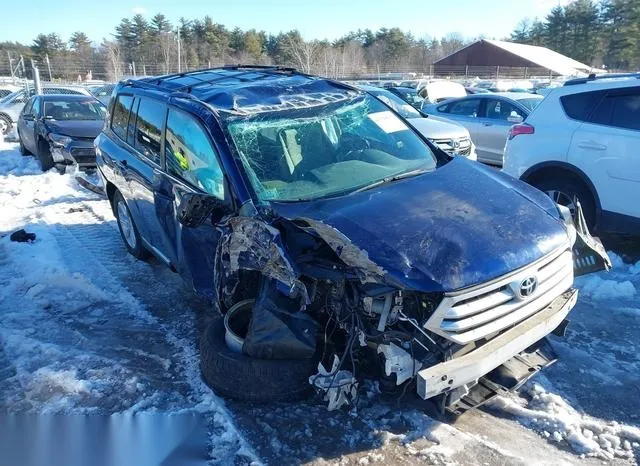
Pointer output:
x,y
583,141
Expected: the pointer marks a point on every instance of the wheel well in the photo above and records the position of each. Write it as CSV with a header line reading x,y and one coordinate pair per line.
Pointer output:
x,y
537,174
111,191
6,117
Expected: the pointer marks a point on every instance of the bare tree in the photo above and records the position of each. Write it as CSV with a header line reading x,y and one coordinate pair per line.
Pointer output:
x,y
168,50
303,53
113,52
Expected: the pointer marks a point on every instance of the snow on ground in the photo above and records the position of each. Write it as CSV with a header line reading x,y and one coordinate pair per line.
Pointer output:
x,y
85,328
74,335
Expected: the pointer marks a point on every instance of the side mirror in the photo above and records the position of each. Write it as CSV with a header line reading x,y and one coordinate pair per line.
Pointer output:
x,y
195,208
28,117
516,119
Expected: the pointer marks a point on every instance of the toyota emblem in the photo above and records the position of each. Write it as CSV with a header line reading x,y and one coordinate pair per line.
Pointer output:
x,y
527,287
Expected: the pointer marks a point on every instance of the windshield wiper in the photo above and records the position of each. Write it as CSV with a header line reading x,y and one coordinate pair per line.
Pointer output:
x,y
391,179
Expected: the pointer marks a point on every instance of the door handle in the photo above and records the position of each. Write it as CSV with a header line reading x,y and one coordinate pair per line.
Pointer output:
x,y
591,145
124,163
487,124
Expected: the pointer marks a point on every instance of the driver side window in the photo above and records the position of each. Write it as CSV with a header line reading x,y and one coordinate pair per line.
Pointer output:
x,y
35,111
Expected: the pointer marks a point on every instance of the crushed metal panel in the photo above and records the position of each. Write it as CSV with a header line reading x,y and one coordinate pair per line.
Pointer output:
x,y
398,361
249,243
352,256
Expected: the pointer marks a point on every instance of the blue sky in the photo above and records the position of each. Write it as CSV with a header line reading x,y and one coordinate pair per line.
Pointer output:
x,y
316,19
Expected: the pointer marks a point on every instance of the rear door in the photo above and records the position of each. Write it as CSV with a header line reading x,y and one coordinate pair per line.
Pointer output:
x,y
606,148
144,137
465,112
494,127
192,165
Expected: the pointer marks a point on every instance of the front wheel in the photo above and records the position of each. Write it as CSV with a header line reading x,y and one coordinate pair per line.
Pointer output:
x,y
565,192
5,125
44,156
128,230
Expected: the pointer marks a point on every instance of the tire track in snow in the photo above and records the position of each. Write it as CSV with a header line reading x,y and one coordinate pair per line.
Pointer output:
x,y
110,267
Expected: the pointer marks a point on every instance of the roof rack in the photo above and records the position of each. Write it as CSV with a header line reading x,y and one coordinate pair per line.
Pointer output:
x,y
156,83
594,77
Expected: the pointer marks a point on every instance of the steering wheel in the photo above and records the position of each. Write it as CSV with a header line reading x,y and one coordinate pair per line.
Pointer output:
x,y
350,145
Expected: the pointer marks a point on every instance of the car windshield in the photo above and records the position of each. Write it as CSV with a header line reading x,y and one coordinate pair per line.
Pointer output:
x,y
530,104
73,110
396,103
326,150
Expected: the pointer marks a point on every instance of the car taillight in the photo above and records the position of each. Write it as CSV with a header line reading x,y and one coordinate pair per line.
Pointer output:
x,y
517,130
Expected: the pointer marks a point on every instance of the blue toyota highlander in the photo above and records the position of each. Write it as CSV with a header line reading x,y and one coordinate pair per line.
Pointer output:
x,y
335,242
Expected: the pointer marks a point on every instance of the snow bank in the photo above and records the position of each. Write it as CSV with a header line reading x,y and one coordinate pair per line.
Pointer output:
x,y
599,288
555,419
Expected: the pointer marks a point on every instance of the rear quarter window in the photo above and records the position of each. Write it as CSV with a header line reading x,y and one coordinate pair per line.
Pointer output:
x,y
120,118
580,106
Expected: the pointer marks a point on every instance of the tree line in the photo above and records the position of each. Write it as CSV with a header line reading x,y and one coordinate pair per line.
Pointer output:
x,y
605,33
144,46
597,33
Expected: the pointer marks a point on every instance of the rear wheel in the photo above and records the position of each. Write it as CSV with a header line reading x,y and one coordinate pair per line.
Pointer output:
x,y
128,230
44,156
5,125
565,192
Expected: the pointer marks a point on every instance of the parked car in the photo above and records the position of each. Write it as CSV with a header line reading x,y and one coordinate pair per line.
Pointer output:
x,y
408,94
476,90
335,239
488,117
582,143
12,105
451,137
436,91
103,93
60,128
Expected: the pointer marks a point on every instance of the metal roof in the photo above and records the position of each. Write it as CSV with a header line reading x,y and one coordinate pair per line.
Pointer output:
x,y
538,56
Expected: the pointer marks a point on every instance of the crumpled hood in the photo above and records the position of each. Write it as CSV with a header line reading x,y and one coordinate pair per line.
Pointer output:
x,y
458,226
76,128
438,128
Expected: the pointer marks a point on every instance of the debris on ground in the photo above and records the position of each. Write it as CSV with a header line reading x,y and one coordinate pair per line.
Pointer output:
x,y
21,236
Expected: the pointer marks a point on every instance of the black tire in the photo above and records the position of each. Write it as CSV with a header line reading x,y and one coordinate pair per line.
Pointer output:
x,y
236,375
6,127
23,149
44,156
563,191
137,249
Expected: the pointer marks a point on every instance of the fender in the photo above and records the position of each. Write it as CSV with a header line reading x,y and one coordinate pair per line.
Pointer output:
x,y
582,176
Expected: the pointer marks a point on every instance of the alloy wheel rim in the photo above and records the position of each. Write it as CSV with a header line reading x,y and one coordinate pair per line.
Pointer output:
x,y
126,225
563,199
4,127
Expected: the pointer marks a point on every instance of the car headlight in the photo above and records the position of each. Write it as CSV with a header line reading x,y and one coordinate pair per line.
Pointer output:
x,y
59,140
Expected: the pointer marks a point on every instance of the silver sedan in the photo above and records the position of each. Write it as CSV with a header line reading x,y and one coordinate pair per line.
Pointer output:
x,y
488,118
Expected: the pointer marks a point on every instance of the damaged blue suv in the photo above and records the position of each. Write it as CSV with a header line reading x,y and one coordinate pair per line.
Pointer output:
x,y
335,242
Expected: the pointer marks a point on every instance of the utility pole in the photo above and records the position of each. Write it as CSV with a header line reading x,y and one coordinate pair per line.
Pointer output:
x,y
179,65
48,66
133,66
13,76
36,78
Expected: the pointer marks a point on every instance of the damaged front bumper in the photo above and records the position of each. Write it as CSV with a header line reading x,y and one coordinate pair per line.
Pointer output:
x,y
468,368
79,153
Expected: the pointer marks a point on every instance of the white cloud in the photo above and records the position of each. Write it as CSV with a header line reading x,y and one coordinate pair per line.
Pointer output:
x,y
139,10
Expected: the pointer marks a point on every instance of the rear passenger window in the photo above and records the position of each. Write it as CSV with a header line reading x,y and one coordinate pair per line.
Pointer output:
x,y
190,156
148,130
621,111
580,106
120,118
469,107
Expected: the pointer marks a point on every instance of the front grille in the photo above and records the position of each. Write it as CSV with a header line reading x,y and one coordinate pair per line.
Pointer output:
x,y
485,310
454,146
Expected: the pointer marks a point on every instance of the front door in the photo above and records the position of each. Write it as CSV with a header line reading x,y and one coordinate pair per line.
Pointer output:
x,y
191,166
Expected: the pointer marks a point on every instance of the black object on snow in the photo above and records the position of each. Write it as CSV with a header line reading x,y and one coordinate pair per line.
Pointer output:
x,y
278,328
22,236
